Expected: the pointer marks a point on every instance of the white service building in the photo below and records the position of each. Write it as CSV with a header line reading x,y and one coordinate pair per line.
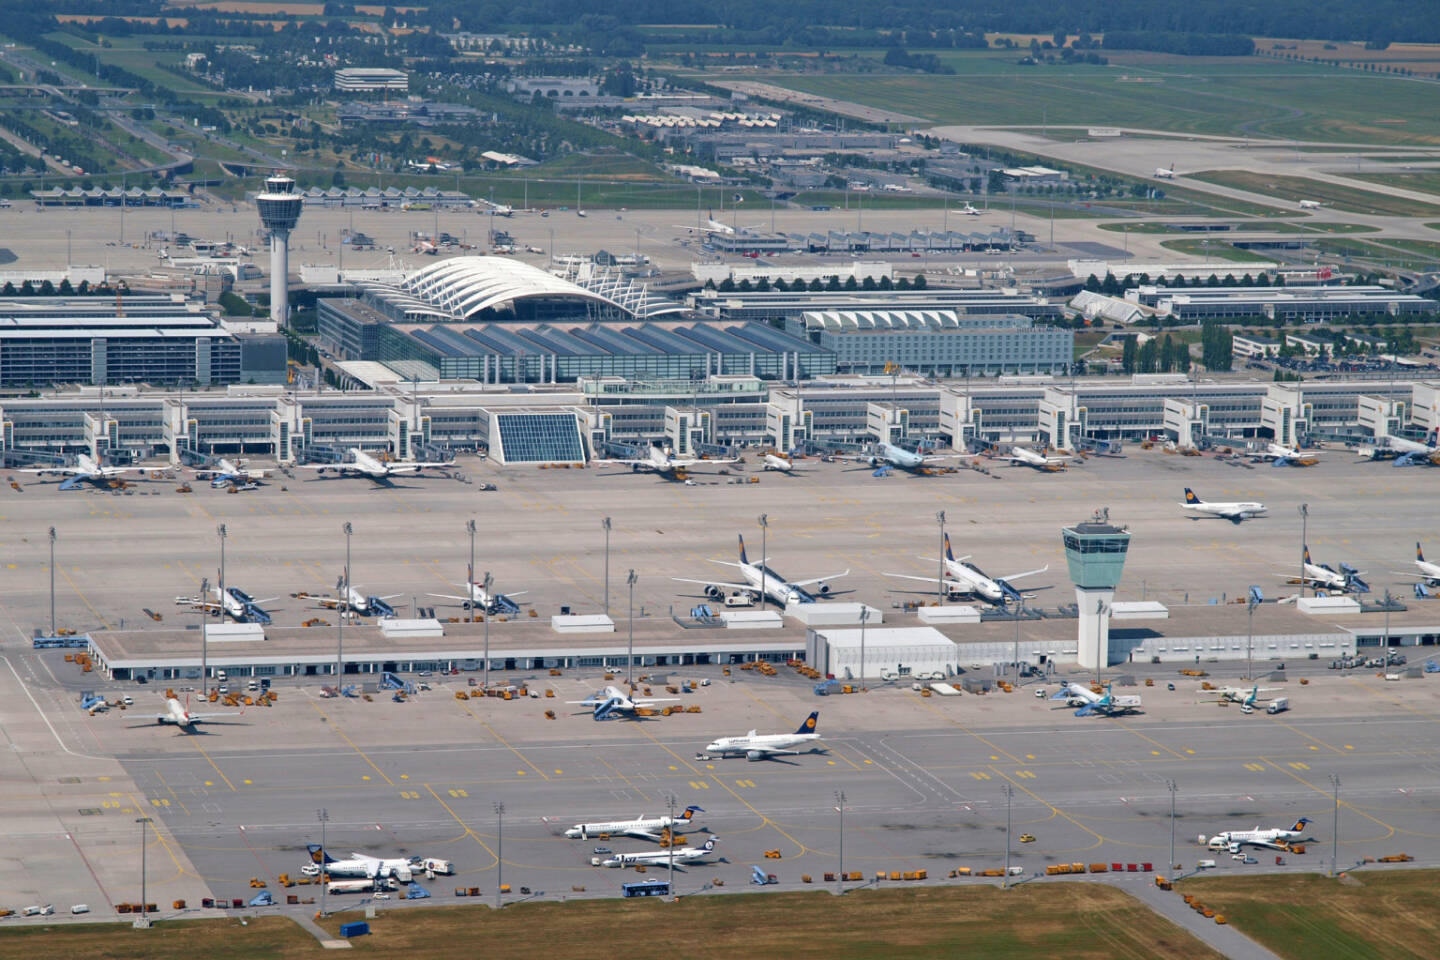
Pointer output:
x,y
905,650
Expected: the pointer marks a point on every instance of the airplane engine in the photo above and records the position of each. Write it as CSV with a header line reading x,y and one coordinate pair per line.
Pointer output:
x,y
715,593
873,461
824,589
753,755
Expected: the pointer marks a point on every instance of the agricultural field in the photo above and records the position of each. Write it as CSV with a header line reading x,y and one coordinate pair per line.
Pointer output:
x,y
1080,921
1243,96
1367,916
1337,196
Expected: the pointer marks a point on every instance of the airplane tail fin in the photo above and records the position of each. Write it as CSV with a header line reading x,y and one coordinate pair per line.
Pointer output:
x,y
690,812
318,854
1300,824
742,549
1419,554
810,723
1307,553
949,554
1190,497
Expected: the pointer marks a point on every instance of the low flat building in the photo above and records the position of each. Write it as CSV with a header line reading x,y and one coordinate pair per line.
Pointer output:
x,y
940,343
1247,345
367,79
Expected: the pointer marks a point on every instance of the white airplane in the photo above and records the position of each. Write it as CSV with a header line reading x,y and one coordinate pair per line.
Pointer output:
x,y
1413,452
970,579
1025,457
85,470
661,460
773,461
968,211
612,703
1284,456
234,603
355,600
763,746
1246,697
179,714
1234,512
478,598
372,868
1310,204
887,454
1325,577
711,226
502,210
1274,838
642,827
1164,173
759,578
1429,570
363,464
1096,704
232,472
658,857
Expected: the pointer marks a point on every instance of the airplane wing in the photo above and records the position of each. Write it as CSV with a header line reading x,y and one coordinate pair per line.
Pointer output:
x,y
405,465
197,602
718,583
450,596
698,462
649,700
806,583
45,470
630,463
1027,573
202,717
906,576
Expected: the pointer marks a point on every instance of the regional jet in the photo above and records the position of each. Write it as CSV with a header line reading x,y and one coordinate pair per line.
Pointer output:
x,y
1165,173
1025,457
968,211
658,858
1325,577
179,714
662,461
1413,453
759,578
642,827
612,703
758,746
1429,570
233,602
232,472
363,464
1234,512
85,470
970,579
912,461
773,461
1274,838
355,600
478,598
372,868
1096,704
1284,456
1246,697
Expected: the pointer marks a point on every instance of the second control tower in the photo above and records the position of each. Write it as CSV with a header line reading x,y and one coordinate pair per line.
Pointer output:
x,y
279,208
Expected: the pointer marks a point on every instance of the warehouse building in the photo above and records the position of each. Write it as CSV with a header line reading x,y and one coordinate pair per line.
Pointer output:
x,y
784,306
941,343
1284,304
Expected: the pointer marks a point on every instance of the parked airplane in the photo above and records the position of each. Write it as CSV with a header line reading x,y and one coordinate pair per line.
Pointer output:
x,y
1246,697
711,226
1325,577
481,599
365,606
773,461
968,211
1234,512
499,209
231,472
913,461
1275,838
1413,453
662,460
1429,570
1284,456
1025,457
759,577
658,857
360,865
363,464
1093,704
1310,204
970,579
643,827
234,603
758,746
85,470
1163,173
179,714
613,703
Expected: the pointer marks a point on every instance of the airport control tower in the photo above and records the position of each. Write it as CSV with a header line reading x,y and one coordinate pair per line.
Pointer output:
x,y
1095,551
279,208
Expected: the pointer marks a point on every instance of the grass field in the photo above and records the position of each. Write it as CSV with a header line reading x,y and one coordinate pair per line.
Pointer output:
x,y
1242,96
1215,249
1078,921
1375,916
1407,254
1427,181
1352,199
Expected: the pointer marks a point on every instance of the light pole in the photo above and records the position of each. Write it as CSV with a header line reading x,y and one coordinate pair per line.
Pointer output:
x,y
1304,542
342,609
144,921
221,531
630,645
1170,867
1335,827
1250,638
764,571
323,816
840,809
940,578
670,882
485,591
52,581
1009,792
499,848
204,642
606,524
1015,650
470,570
864,617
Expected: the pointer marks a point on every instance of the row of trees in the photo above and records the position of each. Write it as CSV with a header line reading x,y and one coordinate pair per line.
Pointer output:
x,y
1155,355
1216,346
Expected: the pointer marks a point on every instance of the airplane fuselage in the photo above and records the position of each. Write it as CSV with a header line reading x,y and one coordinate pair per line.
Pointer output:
x,y
730,746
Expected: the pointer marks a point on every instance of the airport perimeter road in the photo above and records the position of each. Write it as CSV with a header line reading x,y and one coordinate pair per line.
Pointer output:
x,y
924,781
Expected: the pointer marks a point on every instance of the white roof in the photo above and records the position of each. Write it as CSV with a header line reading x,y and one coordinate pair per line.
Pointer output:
x,y
466,285
878,638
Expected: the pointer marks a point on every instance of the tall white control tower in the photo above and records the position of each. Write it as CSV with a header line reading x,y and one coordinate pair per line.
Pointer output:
x,y
279,208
